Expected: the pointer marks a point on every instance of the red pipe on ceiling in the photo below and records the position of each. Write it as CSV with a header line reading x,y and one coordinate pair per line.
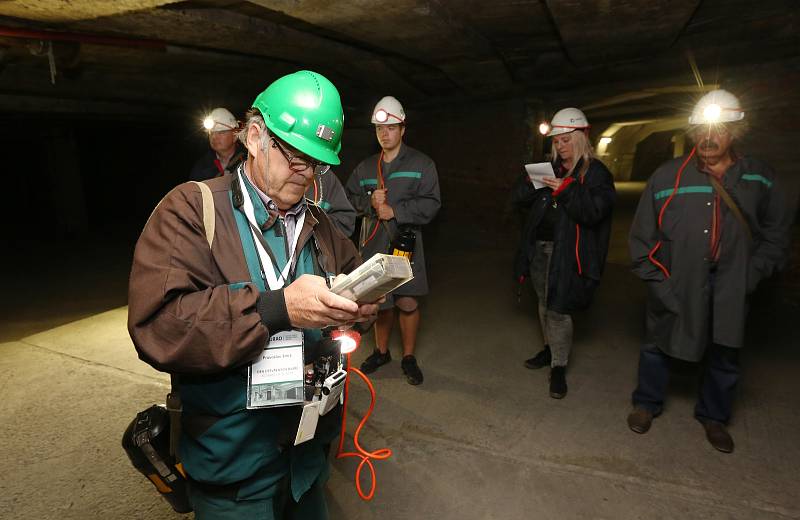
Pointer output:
x,y
95,39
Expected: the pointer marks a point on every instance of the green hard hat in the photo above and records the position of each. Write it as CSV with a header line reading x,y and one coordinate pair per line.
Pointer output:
x,y
304,110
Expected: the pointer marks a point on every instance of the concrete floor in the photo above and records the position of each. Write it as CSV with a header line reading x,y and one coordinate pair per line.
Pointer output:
x,y
480,439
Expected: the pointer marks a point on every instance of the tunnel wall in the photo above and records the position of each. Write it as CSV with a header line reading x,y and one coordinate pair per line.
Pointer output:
x,y
650,153
73,174
479,150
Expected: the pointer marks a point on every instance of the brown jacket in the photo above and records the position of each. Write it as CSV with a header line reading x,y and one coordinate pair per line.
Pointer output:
x,y
194,310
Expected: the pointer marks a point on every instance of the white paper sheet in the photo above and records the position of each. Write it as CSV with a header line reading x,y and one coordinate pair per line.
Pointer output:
x,y
537,171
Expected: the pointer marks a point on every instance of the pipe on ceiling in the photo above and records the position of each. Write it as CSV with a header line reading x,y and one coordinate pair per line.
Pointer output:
x,y
95,39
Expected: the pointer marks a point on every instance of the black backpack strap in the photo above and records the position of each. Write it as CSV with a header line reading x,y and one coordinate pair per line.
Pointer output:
x,y
174,407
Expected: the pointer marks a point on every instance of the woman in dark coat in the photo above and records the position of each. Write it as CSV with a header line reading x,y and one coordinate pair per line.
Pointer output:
x,y
565,239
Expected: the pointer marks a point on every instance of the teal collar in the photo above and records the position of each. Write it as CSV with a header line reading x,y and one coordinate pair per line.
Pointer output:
x,y
266,212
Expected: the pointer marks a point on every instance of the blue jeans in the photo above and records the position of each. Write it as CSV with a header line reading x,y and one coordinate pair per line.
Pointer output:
x,y
717,386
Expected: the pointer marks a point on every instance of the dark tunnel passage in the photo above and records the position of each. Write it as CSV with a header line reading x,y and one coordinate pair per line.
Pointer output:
x,y
102,106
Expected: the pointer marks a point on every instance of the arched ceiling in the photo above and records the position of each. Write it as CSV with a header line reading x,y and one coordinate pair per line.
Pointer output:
x,y
140,56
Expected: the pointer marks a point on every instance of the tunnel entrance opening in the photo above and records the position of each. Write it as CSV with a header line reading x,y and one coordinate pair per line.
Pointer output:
x,y
632,150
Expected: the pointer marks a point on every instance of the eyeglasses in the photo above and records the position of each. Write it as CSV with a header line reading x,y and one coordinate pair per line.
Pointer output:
x,y
300,164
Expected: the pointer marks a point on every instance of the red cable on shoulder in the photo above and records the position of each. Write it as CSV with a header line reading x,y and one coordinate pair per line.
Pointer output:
x,y
651,256
380,187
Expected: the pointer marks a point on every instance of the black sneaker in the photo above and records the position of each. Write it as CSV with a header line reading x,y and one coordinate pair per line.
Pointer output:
x,y
375,360
411,370
558,382
542,359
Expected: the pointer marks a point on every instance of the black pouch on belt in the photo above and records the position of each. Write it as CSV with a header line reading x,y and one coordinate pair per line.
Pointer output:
x,y
404,242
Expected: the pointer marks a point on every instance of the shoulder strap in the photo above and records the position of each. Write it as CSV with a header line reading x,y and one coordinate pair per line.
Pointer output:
x,y
209,221
731,205
174,405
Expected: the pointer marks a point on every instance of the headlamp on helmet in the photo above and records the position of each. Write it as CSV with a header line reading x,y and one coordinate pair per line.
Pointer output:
x,y
712,112
388,111
717,107
381,116
220,120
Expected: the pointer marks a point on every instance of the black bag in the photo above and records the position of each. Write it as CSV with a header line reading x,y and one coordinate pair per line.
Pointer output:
x,y
147,443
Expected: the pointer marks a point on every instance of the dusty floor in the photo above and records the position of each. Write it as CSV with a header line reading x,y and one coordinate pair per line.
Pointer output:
x,y
480,439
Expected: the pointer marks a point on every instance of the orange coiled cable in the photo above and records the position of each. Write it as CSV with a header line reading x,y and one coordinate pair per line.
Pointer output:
x,y
364,455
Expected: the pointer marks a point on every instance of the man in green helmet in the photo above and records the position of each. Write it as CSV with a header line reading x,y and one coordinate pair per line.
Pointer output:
x,y
204,305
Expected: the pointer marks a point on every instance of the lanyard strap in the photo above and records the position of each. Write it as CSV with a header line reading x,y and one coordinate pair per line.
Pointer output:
x,y
275,278
728,199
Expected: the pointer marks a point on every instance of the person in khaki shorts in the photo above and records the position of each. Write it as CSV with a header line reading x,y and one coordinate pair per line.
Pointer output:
x,y
395,191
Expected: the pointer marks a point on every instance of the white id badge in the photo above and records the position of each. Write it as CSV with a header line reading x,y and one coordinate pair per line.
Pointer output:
x,y
276,377
308,423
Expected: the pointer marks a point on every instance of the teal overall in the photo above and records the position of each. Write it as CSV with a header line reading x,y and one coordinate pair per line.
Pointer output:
x,y
242,462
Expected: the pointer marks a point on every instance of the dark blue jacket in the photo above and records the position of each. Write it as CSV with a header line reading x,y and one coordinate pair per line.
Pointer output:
x,y
581,234
206,166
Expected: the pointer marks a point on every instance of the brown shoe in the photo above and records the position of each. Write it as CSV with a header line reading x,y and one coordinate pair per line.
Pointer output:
x,y
640,419
717,435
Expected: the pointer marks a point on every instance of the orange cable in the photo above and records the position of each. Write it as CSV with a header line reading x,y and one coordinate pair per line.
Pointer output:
x,y
663,209
364,455
380,187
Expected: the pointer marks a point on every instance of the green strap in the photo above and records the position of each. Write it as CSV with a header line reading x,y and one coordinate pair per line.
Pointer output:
x,y
248,247
404,175
757,178
682,191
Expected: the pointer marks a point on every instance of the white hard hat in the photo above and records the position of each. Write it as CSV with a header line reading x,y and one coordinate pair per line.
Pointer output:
x,y
718,106
567,120
388,111
219,120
